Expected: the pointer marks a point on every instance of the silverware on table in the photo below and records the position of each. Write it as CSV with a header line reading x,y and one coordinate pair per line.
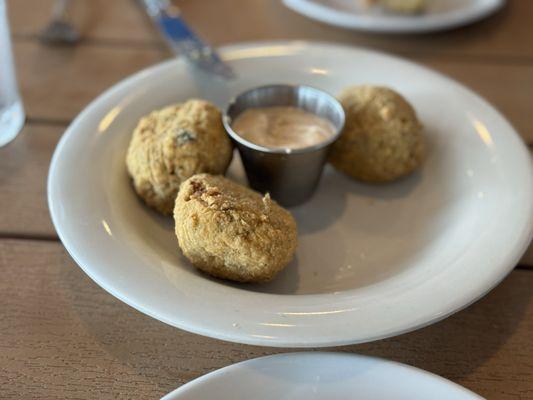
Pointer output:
x,y
183,40
289,175
59,30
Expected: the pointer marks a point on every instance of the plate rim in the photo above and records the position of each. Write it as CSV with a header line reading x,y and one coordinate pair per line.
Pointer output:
x,y
512,258
355,357
330,16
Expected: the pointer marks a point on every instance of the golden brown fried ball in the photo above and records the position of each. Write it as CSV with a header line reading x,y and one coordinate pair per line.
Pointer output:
x,y
172,144
382,139
232,232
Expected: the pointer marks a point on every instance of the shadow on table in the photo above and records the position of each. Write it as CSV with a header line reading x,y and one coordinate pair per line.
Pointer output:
x,y
455,347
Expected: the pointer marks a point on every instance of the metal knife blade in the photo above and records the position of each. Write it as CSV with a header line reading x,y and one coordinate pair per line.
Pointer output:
x,y
183,40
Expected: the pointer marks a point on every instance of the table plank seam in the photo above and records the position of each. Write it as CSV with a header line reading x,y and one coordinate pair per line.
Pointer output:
x,y
47,121
36,237
483,59
108,42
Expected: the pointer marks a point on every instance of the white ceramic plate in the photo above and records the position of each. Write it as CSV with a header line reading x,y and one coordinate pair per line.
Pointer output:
x,y
439,14
320,376
373,261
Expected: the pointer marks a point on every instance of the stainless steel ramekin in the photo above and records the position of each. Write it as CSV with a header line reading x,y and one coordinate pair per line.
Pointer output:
x,y
290,176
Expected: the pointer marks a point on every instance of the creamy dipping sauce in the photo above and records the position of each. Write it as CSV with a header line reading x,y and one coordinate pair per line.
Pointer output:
x,y
282,127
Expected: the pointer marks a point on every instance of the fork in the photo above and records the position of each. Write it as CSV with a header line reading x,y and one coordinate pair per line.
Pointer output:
x,y
59,30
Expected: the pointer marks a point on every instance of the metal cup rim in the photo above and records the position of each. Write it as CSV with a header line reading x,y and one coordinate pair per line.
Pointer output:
x,y
226,120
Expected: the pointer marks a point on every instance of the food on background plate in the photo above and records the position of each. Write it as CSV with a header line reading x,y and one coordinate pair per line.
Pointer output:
x,y
282,127
232,232
404,6
172,144
400,6
382,138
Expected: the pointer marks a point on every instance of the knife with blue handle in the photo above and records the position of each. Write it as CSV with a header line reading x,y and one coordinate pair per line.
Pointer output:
x,y
183,40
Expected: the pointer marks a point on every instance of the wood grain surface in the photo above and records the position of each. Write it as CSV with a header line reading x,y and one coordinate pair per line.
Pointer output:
x,y
505,37
61,336
79,74
116,22
57,82
23,172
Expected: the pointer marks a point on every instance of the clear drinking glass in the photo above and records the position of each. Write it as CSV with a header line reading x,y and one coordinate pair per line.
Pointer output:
x,y
11,110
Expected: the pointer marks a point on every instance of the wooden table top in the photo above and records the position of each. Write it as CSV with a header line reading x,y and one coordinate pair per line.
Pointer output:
x,y
61,336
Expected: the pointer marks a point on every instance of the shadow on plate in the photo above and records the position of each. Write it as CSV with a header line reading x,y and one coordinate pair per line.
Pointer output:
x,y
342,241
328,203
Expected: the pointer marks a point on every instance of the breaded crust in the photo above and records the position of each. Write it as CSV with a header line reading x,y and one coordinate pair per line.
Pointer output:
x,y
382,139
232,232
172,144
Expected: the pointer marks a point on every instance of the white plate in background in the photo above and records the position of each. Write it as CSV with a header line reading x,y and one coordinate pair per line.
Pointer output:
x,y
372,262
320,376
353,14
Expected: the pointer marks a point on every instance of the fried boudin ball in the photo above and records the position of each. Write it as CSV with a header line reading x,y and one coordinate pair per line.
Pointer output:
x,y
382,139
172,144
232,232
